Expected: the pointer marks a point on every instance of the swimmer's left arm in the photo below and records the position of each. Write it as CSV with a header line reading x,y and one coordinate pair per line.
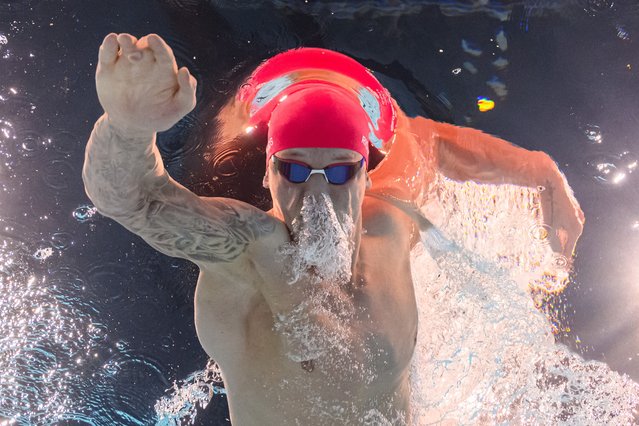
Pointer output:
x,y
469,154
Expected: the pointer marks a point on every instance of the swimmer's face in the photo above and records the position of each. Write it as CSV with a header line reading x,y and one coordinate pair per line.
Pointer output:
x,y
288,197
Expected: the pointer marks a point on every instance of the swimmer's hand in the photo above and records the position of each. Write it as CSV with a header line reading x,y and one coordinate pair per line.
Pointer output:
x,y
562,214
139,85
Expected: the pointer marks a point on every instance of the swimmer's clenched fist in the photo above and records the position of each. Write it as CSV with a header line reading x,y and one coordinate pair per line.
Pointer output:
x,y
139,85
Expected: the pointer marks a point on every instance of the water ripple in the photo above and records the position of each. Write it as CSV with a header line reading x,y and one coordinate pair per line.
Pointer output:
x,y
112,278
57,174
62,240
225,163
66,142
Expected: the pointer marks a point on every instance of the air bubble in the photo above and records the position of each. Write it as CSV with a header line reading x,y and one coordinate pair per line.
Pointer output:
x,y
607,169
61,240
593,133
560,261
43,253
84,213
540,232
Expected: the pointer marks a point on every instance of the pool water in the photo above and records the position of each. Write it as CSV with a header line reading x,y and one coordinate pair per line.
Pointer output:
x,y
97,328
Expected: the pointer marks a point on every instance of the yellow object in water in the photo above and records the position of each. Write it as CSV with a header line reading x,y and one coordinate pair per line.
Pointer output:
x,y
485,104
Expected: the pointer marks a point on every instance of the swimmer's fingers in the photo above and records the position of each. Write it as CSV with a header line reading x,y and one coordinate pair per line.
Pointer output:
x,y
187,88
572,234
108,53
562,214
129,48
161,50
127,43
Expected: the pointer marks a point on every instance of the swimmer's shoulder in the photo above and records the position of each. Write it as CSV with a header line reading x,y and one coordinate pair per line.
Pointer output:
x,y
381,215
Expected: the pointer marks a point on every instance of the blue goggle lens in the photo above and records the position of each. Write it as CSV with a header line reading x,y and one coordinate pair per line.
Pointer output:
x,y
337,174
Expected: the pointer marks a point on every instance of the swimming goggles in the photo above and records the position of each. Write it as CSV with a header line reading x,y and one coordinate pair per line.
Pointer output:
x,y
298,172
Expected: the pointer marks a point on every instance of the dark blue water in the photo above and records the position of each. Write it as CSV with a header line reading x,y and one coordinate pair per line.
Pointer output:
x,y
566,83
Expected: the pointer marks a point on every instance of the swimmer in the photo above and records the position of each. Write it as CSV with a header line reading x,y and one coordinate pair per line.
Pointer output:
x,y
309,308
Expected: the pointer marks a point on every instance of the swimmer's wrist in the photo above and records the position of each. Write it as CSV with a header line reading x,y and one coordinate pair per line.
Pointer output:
x,y
126,131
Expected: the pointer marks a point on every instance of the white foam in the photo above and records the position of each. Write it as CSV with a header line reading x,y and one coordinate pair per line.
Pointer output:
x,y
485,354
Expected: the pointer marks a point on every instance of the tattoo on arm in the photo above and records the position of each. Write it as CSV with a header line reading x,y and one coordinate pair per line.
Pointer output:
x,y
204,230
126,180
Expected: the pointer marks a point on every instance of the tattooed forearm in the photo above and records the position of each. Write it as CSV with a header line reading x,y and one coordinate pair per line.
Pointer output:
x,y
126,181
118,171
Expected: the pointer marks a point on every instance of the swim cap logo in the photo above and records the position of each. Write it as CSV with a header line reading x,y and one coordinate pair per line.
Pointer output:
x,y
269,144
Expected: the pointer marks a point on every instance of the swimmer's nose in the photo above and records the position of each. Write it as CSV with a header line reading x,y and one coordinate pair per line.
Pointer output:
x,y
315,186
317,179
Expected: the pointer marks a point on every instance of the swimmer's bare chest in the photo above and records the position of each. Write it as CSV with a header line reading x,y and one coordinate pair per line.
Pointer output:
x,y
236,327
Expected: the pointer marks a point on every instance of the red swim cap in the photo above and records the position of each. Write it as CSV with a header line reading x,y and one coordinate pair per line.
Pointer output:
x,y
318,116
312,97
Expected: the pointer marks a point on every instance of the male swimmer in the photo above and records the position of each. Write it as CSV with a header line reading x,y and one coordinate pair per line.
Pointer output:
x,y
309,308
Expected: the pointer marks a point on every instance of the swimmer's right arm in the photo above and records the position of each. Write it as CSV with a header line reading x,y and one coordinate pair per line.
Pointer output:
x,y
142,93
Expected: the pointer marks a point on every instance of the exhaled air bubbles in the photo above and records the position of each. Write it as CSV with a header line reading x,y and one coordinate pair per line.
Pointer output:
x,y
188,395
84,213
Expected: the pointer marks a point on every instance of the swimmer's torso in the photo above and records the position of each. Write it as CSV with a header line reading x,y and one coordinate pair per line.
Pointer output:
x,y
360,350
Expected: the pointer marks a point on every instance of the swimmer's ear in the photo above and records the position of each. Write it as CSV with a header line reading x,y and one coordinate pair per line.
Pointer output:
x,y
265,179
